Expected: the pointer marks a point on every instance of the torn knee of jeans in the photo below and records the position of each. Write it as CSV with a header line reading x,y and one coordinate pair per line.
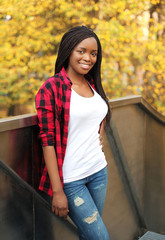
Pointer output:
x,y
92,218
78,201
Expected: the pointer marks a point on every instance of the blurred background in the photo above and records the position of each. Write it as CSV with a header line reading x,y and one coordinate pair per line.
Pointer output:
x,y
132,34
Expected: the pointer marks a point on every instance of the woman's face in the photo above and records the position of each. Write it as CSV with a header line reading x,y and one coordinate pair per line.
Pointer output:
x,y
83,57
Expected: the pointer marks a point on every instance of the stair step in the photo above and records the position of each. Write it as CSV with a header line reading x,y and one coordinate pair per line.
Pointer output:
x,y
152,236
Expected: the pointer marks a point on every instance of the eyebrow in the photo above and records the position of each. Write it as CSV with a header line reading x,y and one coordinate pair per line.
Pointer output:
x,y
85,49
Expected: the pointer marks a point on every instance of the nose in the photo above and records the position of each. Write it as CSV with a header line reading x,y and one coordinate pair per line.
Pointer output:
x,y
87,57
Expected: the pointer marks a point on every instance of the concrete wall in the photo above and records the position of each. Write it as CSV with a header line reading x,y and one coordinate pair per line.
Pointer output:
x,y
135,151
140,135
154,192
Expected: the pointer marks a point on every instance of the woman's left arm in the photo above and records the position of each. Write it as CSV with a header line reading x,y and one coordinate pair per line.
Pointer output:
x,y
101,132
102,127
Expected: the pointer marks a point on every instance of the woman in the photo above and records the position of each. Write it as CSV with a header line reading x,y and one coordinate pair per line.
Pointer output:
x,y
72,108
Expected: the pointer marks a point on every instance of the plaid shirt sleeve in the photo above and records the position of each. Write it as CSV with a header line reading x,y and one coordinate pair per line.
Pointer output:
x,y
45,105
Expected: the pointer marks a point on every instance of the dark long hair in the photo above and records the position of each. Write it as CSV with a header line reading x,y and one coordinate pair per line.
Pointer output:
x,y
68,42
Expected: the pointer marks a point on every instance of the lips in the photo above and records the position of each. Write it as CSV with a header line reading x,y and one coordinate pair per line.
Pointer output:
x,y
85,66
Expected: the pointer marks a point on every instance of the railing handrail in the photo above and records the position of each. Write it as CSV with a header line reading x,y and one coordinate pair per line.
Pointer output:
x,y
19,181
27,120
138,99
20,121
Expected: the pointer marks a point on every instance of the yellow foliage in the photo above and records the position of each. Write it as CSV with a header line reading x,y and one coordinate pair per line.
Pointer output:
x,y
132,43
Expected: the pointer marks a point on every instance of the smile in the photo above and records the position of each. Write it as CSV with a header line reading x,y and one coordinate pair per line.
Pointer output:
x,y
85,66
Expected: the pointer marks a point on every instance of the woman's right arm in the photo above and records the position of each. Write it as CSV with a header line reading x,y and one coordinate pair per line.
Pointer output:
x,y
59,201
45,105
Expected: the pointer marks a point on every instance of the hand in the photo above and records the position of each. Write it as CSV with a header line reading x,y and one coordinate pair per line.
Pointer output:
x,y
101,141
60,204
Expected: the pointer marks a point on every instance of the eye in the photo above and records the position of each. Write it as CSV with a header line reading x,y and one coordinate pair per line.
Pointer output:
x,y
94,54
80,51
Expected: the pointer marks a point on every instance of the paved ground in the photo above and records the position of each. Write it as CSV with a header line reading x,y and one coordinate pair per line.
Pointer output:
x,y
152,236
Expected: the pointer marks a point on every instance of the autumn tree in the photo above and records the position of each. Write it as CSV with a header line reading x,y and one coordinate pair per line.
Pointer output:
x,y
131,33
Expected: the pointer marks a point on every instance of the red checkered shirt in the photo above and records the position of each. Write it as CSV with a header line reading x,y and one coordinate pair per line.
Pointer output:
x,y
53,105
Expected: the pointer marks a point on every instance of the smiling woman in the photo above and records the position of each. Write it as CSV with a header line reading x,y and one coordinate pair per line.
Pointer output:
x,y
72,108
81,61
83,56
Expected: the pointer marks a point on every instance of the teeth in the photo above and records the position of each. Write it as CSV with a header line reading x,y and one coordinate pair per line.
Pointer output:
x,y
85,65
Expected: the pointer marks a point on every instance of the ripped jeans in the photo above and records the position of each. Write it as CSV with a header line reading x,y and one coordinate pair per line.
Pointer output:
x,y
86,200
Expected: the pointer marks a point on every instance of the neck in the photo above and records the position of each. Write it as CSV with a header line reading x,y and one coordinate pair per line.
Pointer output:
x,y
76,78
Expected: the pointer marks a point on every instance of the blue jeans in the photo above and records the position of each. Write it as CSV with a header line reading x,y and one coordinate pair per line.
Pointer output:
x,y
86,200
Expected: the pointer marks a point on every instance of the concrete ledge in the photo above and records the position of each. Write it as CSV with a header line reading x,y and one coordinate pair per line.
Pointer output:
x,y
141,102
27,120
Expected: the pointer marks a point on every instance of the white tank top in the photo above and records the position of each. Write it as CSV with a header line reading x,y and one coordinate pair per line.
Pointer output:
x,y
84,155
